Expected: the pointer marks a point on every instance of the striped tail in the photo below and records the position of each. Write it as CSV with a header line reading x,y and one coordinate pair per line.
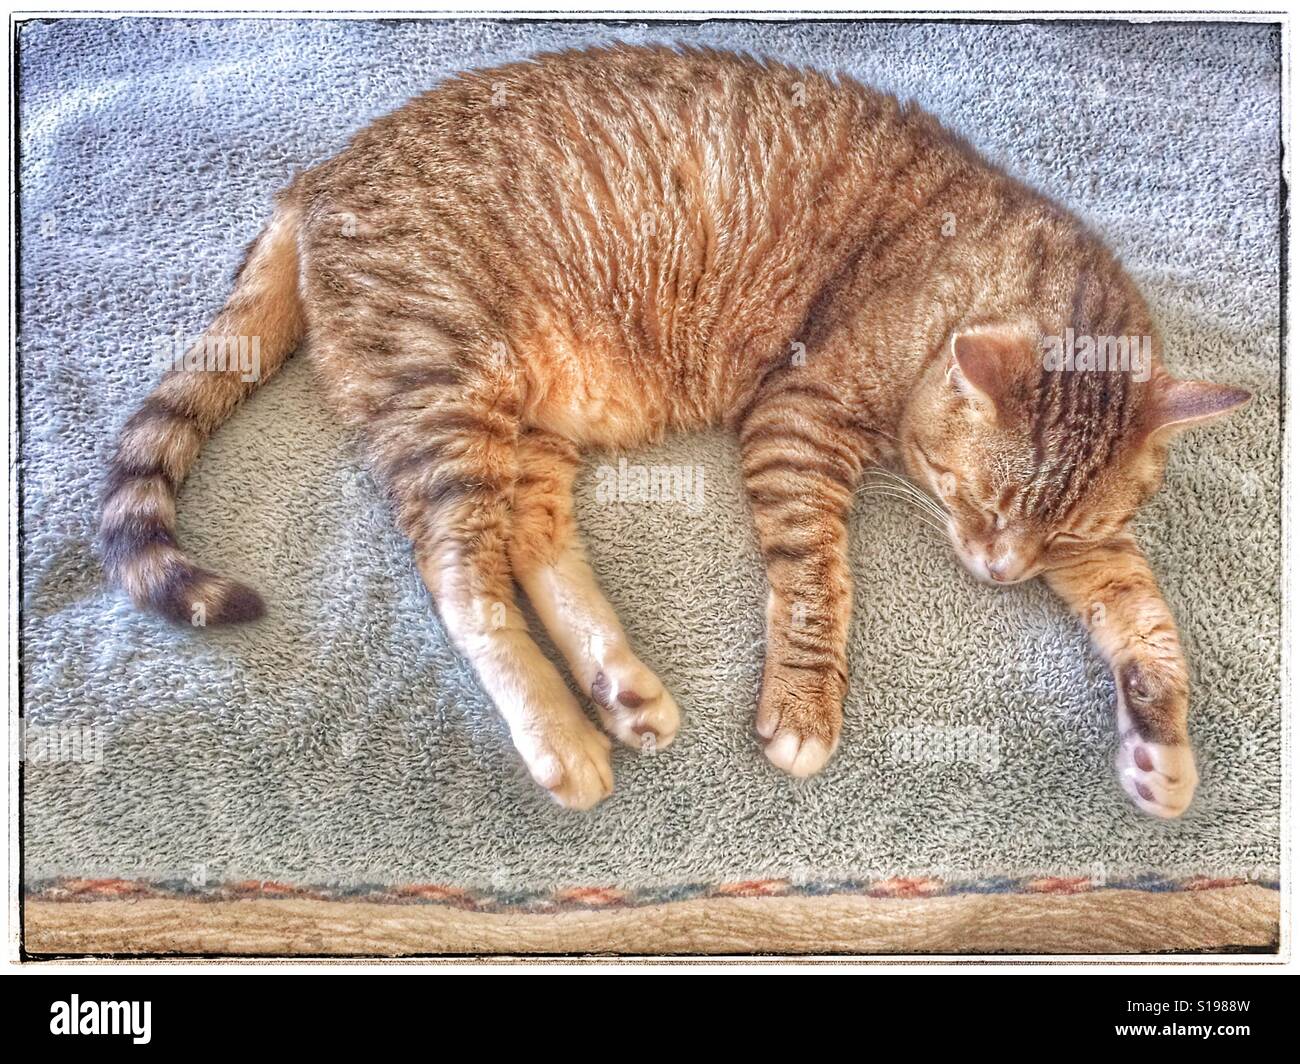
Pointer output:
x,y
249,340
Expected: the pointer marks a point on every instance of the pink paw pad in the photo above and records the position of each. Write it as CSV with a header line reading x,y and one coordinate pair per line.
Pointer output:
x,y
1159,777
645,721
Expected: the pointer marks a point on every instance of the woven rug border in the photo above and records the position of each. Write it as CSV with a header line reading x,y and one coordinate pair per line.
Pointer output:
x,y
73,889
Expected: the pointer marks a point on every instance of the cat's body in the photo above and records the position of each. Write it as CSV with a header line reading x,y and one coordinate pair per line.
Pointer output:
x,y
596,248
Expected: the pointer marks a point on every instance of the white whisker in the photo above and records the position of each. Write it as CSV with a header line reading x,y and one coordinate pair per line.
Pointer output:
x,y
912,491
938,520
926,515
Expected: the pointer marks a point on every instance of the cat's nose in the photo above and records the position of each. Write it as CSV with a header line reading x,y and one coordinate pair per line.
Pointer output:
x,y
1007,565
994,560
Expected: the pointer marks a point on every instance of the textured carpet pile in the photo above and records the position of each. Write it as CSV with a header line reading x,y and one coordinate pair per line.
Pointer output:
x,y
342,741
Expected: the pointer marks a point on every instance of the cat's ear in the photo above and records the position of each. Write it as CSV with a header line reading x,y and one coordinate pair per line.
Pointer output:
x,y
987,365
1179,405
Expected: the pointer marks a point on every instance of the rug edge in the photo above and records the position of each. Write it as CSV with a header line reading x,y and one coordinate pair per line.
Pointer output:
x,y
1235,919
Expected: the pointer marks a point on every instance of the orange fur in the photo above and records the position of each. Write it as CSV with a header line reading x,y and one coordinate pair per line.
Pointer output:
x,y
595,248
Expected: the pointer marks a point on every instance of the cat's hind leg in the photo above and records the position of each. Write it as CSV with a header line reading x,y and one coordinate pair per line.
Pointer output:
x,y
449,458
552,568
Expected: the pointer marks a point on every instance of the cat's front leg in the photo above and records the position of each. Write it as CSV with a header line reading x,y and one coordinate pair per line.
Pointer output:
x,y
1112,590
801,463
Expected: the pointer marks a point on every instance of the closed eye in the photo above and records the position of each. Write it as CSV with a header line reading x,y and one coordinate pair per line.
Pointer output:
x,y
934,466
945,479
1065,539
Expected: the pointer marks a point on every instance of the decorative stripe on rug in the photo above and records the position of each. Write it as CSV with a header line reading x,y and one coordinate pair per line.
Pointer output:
x,y
71,889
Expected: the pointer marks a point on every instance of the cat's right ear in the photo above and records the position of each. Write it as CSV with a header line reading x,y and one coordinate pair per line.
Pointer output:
x,y
985,366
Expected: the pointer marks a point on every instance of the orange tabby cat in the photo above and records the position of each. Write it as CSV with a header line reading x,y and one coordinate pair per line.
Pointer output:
x,y
595,248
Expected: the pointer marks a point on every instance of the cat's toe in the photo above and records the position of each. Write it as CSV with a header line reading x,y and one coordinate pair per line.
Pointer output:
x,y
1159,778
572,763
799,755
635,707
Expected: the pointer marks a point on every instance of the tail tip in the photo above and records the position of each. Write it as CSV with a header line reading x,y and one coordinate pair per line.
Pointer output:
x,y
197,598
239,604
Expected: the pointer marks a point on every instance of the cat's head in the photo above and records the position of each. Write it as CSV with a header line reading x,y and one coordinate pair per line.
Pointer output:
x,y
1039,448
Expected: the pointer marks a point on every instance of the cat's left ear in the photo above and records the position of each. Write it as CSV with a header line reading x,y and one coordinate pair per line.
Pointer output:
x,y
988,365
1179,405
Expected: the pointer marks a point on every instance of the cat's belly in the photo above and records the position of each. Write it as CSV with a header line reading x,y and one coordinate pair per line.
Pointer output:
x,y
599,393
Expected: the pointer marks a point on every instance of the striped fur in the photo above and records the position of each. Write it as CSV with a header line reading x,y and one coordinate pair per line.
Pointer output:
x,y
595,248
161,441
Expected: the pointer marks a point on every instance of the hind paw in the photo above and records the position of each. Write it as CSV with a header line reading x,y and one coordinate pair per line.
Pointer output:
x,y
634,706
570,758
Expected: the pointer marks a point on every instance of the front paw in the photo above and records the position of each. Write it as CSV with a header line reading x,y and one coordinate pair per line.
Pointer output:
x,y
1155,762
1159,777
799,716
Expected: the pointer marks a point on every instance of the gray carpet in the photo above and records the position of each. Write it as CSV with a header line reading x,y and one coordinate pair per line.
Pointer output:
x,y
340,741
